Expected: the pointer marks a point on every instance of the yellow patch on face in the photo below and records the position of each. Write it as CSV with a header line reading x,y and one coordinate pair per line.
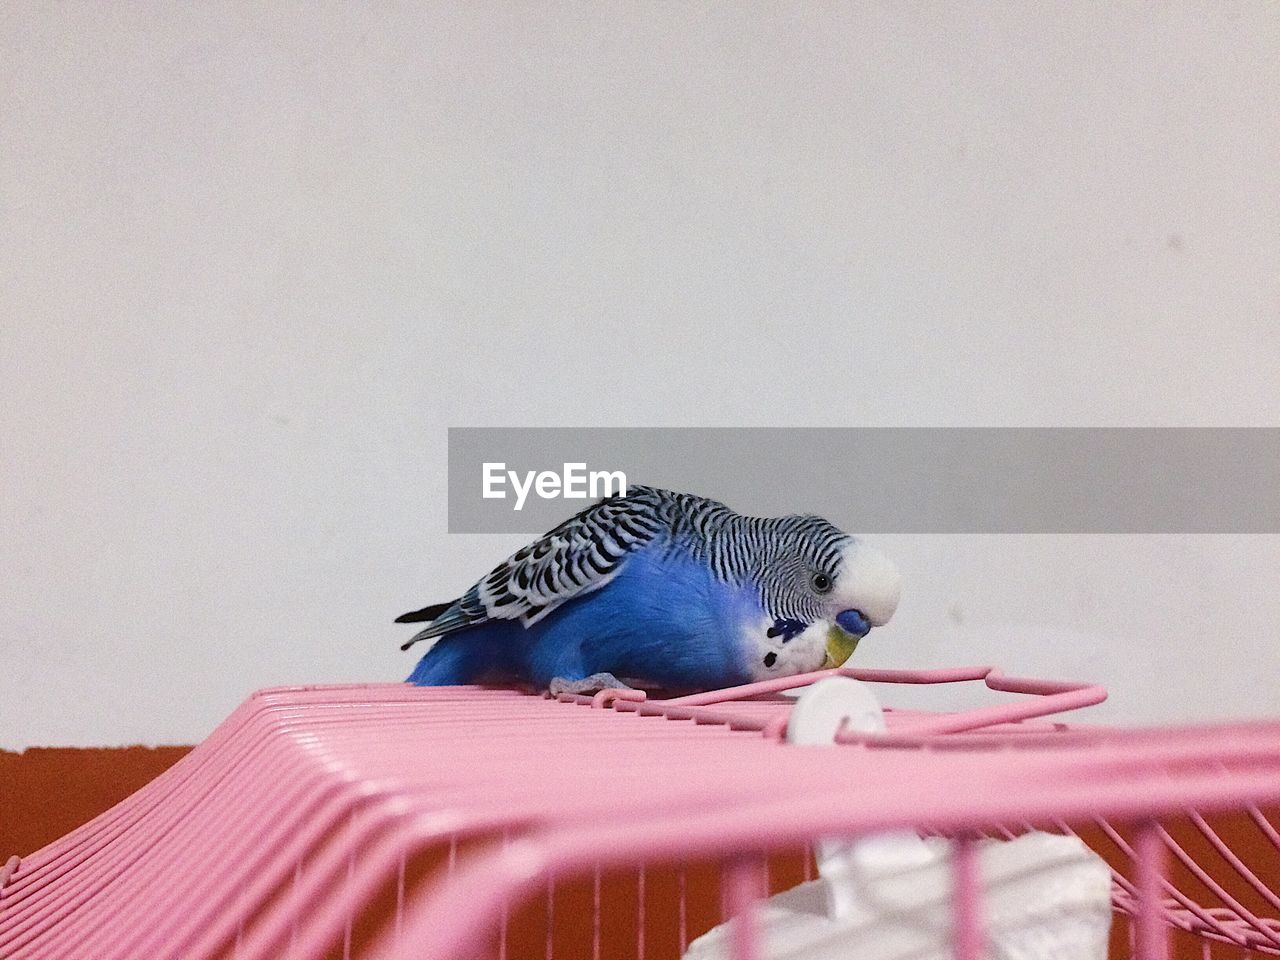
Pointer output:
x,y
840,647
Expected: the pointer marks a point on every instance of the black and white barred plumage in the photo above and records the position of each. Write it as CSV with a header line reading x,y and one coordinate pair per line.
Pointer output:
x,y
784,558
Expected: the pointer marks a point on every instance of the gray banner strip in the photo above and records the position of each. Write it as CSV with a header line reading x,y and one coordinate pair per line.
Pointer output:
x,y
894,480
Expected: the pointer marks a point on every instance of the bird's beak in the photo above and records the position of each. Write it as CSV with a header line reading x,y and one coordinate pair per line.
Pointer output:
x,y
869,585
840,647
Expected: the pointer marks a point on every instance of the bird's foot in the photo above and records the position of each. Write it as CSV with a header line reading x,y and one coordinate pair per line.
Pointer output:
x,y
587,685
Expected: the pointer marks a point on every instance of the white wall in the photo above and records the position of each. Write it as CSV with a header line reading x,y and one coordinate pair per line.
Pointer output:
x,y
255,258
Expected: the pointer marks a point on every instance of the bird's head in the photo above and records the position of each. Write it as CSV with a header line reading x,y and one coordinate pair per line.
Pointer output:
x,y
823,591
860,592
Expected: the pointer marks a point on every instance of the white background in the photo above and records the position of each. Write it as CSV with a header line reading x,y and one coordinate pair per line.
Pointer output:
x,y
255,258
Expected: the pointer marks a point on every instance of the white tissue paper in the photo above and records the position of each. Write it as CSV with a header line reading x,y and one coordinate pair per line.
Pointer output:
x,y
1044,897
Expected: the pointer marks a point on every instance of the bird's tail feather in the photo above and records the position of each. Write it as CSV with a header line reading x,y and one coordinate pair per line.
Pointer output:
x,y
426,613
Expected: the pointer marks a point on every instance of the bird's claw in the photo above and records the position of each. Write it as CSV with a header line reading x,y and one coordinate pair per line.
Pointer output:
x,y
587,686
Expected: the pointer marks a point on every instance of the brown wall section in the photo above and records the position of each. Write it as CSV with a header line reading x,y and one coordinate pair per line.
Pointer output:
x,y
47,791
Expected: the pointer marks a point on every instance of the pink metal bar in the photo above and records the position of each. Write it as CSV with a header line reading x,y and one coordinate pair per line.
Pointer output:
x,y
640,911
966,900
595,917
1151,936
548,950
1051,697
742,894
682,919
1265,826
7,871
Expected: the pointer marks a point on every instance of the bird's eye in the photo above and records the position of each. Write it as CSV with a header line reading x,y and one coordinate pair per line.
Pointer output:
x,y
821,582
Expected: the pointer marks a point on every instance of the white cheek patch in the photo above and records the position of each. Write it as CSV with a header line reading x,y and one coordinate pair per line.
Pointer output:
x,y
773,657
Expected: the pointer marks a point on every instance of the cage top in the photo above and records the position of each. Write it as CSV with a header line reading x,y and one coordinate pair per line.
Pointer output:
x,y
315,774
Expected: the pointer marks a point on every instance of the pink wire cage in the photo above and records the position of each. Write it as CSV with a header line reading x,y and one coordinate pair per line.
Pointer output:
x,y
389,821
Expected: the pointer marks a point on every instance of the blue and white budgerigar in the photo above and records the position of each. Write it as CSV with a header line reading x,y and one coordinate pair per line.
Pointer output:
x,y
672,589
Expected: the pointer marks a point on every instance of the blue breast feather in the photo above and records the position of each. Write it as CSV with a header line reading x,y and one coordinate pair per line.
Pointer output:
x,y
664,618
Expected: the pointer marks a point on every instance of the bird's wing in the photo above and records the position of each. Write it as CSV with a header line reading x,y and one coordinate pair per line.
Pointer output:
x,y
582,554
